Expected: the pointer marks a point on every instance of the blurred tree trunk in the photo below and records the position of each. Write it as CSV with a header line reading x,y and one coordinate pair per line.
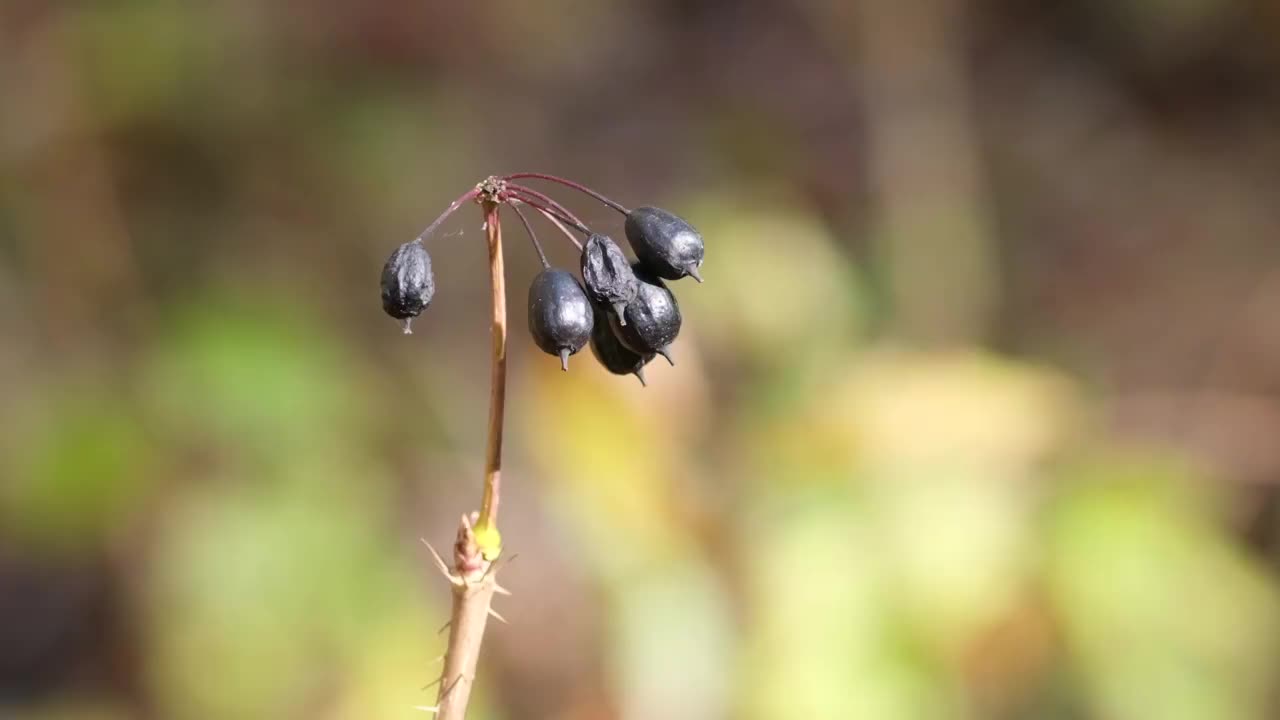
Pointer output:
x,y
934,250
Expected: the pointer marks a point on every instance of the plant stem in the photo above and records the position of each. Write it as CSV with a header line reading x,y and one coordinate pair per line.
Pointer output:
x,y
473,576
569,183
529,196
466,197
498,373
471,600
551,218
542,256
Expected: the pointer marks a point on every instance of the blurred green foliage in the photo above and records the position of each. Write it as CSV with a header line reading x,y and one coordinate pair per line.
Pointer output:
x,y
79,469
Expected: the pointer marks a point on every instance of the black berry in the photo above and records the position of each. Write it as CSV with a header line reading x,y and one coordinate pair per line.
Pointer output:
x,y
612,354
407,283
652,318
560,315
607,273
664,243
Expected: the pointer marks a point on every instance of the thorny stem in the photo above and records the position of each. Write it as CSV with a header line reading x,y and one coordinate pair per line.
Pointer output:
x,y
473,576
466,197
532,236
529,196
571,184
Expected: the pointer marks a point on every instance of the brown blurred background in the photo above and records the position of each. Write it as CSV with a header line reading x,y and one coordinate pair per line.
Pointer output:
x,y
976,416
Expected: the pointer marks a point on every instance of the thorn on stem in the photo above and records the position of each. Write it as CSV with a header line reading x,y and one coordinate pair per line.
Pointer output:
x,y
497,616
441,566
449,689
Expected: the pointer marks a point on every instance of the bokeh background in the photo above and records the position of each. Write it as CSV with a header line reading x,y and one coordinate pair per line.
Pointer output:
x,y
976,416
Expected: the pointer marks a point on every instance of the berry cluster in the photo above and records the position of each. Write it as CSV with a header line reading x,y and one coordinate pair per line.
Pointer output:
x,y
622,309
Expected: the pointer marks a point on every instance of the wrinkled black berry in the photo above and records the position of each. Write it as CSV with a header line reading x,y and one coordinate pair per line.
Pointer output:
x,y
560,314
607,273
652,318
407,283
612,354
664,243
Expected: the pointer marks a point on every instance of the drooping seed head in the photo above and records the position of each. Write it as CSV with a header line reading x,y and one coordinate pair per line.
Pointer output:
x,y
664,243
560,314
407,282
612,354
607,273
652,318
